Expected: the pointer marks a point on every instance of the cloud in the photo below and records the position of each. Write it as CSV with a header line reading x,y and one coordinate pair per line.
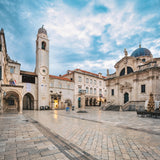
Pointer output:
x,y
88,34
97,66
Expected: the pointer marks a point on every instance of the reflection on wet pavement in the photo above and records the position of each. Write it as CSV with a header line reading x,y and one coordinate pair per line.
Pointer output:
x,y
105,135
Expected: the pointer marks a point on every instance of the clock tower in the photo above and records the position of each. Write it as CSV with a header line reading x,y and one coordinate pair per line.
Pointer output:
x,y
42,67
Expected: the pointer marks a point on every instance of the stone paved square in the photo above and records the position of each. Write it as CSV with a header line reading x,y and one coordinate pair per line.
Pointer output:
x,y
105,135
69,135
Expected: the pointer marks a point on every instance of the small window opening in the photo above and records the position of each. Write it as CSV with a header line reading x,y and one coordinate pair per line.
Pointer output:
x,y
43,45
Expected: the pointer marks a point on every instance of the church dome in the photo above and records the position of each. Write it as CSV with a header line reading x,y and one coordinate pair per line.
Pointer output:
x,y
141,52
42,30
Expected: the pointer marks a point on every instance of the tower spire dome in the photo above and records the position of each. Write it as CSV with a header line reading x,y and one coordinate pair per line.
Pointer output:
x,y
42,30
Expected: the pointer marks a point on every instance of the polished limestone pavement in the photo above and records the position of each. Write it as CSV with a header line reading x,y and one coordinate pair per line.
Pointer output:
x,y
23,138
103,134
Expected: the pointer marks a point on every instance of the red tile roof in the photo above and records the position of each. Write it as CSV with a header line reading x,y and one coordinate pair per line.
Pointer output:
x,y
70,72
83,72
28,73
61,78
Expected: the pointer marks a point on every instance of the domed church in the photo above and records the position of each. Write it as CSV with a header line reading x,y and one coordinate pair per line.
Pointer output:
x,y
135,78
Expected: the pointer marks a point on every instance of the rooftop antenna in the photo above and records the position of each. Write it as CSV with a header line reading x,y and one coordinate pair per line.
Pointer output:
x,y
139,44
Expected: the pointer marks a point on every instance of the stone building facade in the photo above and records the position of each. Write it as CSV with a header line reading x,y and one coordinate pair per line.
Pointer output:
x,y
92,83
135,78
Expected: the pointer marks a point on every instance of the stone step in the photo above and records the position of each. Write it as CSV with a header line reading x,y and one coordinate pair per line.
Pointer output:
x,y
112,108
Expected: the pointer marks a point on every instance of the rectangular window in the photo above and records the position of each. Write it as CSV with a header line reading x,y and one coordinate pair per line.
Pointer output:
x,y
28,79
90,81
79,88
51,84
100,91
112,92
87,80
0,72
80,79
95,82
11,69
60,85
143,88
100,83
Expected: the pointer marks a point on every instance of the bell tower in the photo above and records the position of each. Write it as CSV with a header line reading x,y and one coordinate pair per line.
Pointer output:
x,y
42,67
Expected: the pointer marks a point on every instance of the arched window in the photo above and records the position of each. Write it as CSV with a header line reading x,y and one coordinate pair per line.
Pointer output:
x,y
86,89
95,90
143,60
122,72
43,45
129,70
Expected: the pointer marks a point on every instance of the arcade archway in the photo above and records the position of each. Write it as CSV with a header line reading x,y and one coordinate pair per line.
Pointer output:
x,y
11,102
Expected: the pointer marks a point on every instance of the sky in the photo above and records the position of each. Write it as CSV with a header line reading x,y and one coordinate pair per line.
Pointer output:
x,y
85,34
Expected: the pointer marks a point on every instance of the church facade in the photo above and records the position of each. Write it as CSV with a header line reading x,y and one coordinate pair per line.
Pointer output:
x,y
135,78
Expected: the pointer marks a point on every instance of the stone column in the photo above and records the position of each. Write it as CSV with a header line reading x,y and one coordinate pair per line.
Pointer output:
x,y
83,101
20,106
35,105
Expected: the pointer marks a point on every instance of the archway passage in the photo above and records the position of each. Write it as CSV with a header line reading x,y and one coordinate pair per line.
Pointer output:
x,y
28,102
126,97
86,101
69,102
94,102
90,102
11,102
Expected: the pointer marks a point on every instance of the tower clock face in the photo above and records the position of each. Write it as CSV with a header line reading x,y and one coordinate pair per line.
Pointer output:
x,y
43,71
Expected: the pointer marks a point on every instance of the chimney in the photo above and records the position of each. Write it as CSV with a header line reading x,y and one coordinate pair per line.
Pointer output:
x,y
100,75
68,71
107,72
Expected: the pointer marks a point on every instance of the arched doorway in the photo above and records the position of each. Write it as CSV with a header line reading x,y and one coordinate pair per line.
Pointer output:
x,y
11,102
86,102
28,102
79,102
90,102
94,102
69,102
126,97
